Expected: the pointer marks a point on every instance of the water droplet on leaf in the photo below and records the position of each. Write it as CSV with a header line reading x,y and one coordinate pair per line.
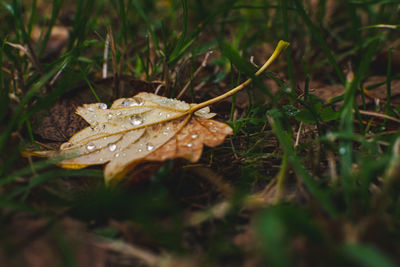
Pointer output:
x,y
66,145
132,102
136,120
102,106
149,146
112,147
90,147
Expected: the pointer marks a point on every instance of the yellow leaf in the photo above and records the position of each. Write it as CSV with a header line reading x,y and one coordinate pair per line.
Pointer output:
x,y
145,127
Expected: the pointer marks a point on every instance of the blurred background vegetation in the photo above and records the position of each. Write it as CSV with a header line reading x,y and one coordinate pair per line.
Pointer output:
x,y
309,178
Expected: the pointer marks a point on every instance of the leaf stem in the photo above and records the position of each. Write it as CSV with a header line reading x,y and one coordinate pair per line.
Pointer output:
x,y
282,45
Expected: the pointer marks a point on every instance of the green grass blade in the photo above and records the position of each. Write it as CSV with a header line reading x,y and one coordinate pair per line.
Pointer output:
x,y
285,21
54,14
4,99
366,255
346,121
389,83
285,141
124,19
148,23
32,17
316,34
83,12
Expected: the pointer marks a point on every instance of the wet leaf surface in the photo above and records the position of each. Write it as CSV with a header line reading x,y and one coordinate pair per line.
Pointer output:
x,y
146,127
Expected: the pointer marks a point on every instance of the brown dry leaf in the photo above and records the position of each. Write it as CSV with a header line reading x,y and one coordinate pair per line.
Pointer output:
x,y
146,127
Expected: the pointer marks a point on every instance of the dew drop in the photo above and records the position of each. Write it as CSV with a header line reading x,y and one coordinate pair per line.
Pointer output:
x,y
119,113
102,106
126,103
165,133
194,136
109,116
342,151
90,108
116,155
168,115
160,114
149,146
66,145
139,101
132,102
112,147
90,147
139,150
136,120
189,145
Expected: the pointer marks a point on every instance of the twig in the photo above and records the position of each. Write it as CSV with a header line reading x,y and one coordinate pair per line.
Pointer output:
x,y
33,58
252,62
332,167
199,86
158,88
298,134
217,211
130,250
54,79
105,56
114,62
203,65
378,115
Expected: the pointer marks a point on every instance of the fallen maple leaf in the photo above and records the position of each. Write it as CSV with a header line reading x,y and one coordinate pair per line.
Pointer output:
x,y
145,127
